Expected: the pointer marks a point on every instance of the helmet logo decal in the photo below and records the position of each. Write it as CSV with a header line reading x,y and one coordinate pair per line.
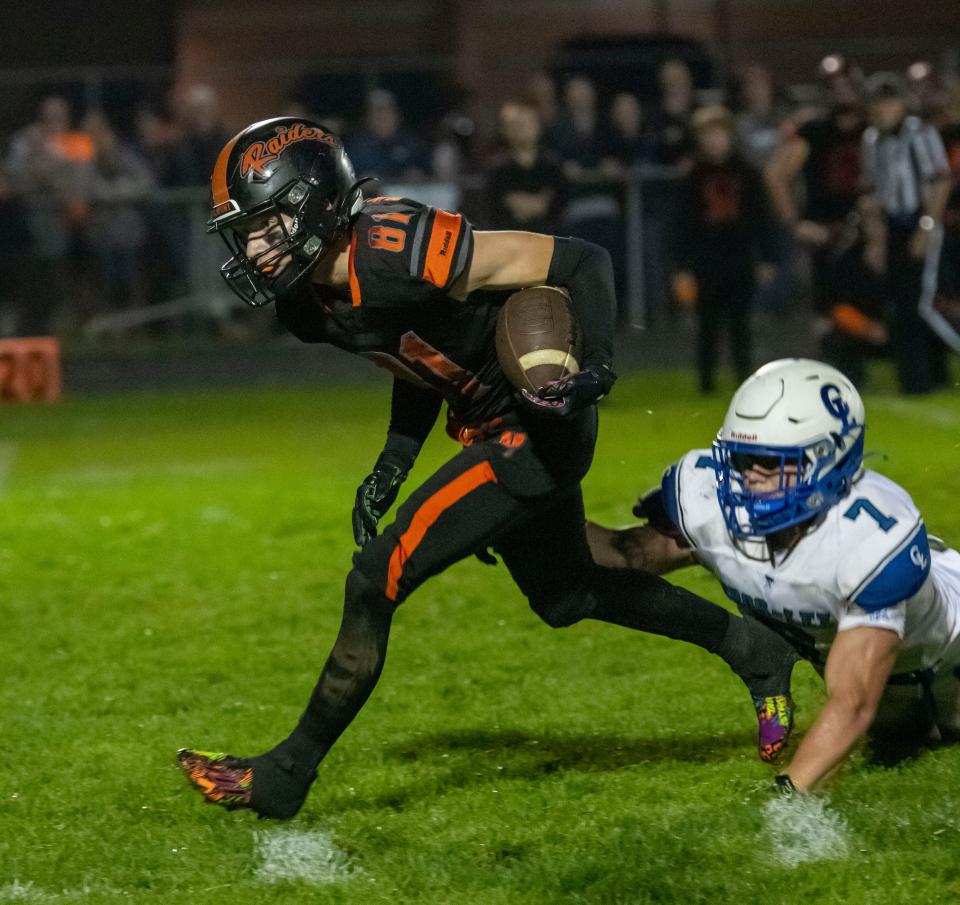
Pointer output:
x,y
257,155
830,394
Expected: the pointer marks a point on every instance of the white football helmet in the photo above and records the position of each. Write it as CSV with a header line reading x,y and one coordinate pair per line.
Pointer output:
x,y
792,412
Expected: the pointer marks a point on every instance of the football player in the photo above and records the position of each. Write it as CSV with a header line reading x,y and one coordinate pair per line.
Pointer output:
x,y
833,555
417,291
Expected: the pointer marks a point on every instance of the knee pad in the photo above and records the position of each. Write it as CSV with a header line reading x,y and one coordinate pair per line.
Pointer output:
x,y
563,607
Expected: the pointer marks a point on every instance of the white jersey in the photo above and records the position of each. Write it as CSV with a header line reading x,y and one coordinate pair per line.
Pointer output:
x,y
868,562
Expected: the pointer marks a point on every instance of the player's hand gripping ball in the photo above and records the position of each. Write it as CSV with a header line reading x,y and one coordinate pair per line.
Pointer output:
x,y
574,393
539,346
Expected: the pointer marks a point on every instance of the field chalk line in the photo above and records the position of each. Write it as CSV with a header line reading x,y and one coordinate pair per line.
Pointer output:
x,y
307,855
803,830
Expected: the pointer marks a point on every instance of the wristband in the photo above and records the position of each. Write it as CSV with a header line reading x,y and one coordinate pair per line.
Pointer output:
x,y
784,784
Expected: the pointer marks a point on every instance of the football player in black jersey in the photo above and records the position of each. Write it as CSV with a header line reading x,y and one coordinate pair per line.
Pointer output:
x,y
417,291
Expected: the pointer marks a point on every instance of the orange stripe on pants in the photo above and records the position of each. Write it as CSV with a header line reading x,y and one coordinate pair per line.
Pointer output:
x,y
428,513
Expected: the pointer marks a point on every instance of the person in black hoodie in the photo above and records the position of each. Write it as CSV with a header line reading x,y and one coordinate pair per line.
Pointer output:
x,y
724,233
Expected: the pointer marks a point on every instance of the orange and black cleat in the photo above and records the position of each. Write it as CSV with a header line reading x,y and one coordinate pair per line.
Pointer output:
x,y
269,785
774,725
223,780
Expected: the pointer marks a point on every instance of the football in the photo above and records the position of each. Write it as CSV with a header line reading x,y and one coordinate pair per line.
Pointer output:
x,y
538,337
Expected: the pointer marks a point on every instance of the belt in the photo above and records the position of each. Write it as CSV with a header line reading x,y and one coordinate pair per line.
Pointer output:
x,y
467,433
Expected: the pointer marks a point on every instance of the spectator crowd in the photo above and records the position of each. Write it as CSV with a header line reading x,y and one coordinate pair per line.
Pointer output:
x,y
848,195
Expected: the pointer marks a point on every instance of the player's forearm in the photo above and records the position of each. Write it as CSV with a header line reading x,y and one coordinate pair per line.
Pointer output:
x,y
840,725
642,548
858,667
585,270
413,412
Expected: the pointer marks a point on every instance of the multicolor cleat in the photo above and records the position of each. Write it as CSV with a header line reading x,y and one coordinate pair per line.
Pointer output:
x,y
774,724
223,779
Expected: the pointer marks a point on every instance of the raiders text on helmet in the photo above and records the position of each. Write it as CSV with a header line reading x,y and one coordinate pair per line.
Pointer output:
x,y
280,166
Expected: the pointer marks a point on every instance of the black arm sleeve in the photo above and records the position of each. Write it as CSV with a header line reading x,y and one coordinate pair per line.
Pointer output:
x,y
413,412
586,272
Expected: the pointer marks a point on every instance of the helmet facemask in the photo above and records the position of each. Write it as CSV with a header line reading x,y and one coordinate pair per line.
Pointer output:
x,y
791,447
312,230
297,171
810,479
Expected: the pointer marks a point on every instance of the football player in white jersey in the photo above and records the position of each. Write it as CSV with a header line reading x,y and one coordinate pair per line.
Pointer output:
x,y
834,556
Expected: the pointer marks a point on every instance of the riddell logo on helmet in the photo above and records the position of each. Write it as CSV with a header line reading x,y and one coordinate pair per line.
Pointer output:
x,y
260,153
736,435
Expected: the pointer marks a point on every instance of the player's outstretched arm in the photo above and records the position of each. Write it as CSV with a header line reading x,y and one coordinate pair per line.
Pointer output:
x,y
857,670
513,260
642,547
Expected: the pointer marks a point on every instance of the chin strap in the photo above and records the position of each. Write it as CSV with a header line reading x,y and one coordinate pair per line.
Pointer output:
x,y
352,202
314,247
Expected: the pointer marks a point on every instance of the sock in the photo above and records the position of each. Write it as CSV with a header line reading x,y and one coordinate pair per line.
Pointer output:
x,y
758,655
348,677
648,603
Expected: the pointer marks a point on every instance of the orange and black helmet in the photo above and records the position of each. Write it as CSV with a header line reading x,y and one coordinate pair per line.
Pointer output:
x,y
284,166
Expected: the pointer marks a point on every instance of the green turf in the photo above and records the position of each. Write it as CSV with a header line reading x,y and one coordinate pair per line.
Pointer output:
x,y
171,570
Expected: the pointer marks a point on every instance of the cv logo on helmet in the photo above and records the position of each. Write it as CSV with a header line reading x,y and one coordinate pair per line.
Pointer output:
x,y
255,158
830,394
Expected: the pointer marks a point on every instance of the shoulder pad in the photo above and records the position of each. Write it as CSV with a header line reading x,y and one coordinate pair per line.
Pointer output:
x,y
880,530
688,488
402,252
899,576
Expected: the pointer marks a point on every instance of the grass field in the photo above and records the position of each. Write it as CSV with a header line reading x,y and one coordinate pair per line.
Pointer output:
x,y
171,570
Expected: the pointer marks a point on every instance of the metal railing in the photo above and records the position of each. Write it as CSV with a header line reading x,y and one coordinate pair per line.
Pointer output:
x,y
640,202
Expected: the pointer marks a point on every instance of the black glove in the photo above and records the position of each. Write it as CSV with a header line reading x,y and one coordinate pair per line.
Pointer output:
x,y
374,497
650,505
574,393
783,785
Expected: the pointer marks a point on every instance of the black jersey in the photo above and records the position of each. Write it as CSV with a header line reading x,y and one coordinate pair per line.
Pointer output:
x,y
404,257
724,223
832,171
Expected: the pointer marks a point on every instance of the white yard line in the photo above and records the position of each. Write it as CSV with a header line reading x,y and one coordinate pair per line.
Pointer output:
x,y
307,855
802,830
15,891
121,474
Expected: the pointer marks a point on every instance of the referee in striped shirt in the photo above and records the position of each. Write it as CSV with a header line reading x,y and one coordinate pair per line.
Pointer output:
x,y
907,183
